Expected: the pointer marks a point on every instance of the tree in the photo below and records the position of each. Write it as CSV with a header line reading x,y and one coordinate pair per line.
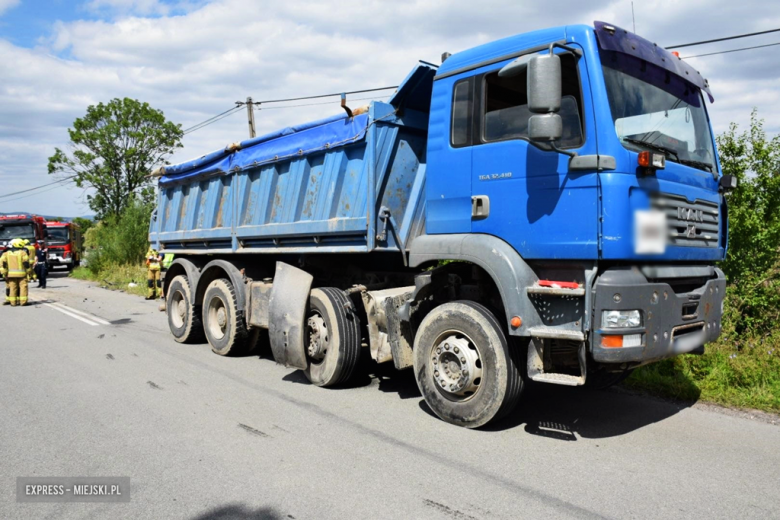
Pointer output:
x,y
83,224
114,148
752,264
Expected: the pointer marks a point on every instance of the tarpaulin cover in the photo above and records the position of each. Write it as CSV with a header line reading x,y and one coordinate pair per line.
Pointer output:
x,y
295,140
613,38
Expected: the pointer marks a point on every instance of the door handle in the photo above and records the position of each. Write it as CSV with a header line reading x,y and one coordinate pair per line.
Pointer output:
x,y
480,206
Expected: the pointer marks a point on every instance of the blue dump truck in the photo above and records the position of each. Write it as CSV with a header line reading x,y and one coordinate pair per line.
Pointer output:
x,y
546,207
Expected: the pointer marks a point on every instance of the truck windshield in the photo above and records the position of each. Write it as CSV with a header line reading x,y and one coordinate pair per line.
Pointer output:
x,y
656,110
58,235
11,231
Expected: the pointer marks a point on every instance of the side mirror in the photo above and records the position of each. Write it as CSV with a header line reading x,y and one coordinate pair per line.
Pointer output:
x,y
544,98
545,127
728,183
544,84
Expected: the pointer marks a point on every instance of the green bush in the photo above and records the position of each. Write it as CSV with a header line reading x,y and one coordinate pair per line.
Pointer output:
x,y
119,240
752,265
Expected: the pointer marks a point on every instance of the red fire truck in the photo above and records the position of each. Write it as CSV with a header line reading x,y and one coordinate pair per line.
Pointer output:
x,y
64,245
22,225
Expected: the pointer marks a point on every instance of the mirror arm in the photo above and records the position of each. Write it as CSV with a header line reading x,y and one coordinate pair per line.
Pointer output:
x,y
564,152
572,50
552,148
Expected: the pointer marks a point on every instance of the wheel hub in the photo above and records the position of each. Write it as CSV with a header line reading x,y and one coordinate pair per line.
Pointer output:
x,y
221,318
181,308
318,337
457,368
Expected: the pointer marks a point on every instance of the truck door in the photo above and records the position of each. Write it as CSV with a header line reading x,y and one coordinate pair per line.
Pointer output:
x,y
448,182
525,195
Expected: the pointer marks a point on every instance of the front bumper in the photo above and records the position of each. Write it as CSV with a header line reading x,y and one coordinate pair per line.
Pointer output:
x,y
672,323
58,260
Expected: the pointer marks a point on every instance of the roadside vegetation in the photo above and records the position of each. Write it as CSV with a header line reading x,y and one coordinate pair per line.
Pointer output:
x,y
743,367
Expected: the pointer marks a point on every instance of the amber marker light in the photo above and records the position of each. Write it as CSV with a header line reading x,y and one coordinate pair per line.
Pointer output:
x,y
612,341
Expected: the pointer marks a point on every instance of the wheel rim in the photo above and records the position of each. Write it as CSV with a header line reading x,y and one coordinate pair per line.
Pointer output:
x,y
319,337
178,309
456,366
217,314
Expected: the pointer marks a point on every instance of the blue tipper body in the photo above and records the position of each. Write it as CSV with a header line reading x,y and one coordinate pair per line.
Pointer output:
x,y
314,187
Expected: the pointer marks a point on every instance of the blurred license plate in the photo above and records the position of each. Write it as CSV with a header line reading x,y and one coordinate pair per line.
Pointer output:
x,y
649,232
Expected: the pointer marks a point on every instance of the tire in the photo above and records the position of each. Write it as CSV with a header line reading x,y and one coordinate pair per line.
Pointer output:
x,y
223,324
333,338
184,318
483,382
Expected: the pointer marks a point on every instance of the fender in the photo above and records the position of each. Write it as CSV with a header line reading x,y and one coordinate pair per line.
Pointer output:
x,y
191,270
509,271
287,307
236,278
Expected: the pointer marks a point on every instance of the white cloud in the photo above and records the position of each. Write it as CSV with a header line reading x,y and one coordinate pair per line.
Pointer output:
x,y
193,61
7,4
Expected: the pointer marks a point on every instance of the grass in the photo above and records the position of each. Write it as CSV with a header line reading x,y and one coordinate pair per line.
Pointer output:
x,y
116,277
734,371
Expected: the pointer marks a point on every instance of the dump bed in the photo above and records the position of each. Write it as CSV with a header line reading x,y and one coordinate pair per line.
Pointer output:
x,y
328,186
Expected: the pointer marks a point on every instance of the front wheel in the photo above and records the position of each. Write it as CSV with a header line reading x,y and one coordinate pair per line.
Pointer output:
x,y
464,367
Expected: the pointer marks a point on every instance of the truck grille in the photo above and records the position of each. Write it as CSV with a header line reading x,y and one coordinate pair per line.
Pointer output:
x,y
691,224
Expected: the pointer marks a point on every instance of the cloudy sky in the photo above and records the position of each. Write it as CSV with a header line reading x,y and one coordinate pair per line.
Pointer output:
x,y
193,59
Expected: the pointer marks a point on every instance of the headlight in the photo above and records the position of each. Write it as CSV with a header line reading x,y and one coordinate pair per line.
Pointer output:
x,y
621,319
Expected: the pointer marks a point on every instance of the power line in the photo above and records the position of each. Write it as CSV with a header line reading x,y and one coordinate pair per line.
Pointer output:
x,y
319,96
314,104
38,193
732,50
722,39
207,122
37,187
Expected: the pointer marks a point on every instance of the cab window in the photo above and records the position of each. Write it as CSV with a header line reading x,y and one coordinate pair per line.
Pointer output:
x,y
462,110
505,106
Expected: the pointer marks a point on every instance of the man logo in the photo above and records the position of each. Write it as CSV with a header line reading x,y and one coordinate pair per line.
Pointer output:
x,y
691,231
695,215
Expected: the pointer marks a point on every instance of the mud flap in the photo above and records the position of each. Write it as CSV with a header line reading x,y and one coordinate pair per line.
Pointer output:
x,y
287,315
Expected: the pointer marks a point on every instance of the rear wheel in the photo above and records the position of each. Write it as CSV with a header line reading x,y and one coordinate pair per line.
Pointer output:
x,y
184,318
223,324
333,334
464,366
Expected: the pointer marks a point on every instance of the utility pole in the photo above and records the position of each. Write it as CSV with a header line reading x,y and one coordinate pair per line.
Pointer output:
x,y
250,108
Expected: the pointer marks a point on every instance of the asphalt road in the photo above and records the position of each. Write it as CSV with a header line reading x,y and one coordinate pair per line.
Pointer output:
x,y
109,393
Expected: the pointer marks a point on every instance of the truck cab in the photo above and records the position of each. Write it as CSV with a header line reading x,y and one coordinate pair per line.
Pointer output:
x,y
64,245
624,196
25,226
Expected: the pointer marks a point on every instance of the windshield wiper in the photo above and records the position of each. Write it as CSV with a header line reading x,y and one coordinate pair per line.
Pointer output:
x,y
696,164
652,146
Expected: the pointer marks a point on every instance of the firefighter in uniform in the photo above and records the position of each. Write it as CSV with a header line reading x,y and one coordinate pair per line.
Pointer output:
x,y
31,254
15,268
154,288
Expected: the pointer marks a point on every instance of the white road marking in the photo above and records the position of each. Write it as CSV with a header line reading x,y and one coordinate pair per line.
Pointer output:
x,y
72,315
86,315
